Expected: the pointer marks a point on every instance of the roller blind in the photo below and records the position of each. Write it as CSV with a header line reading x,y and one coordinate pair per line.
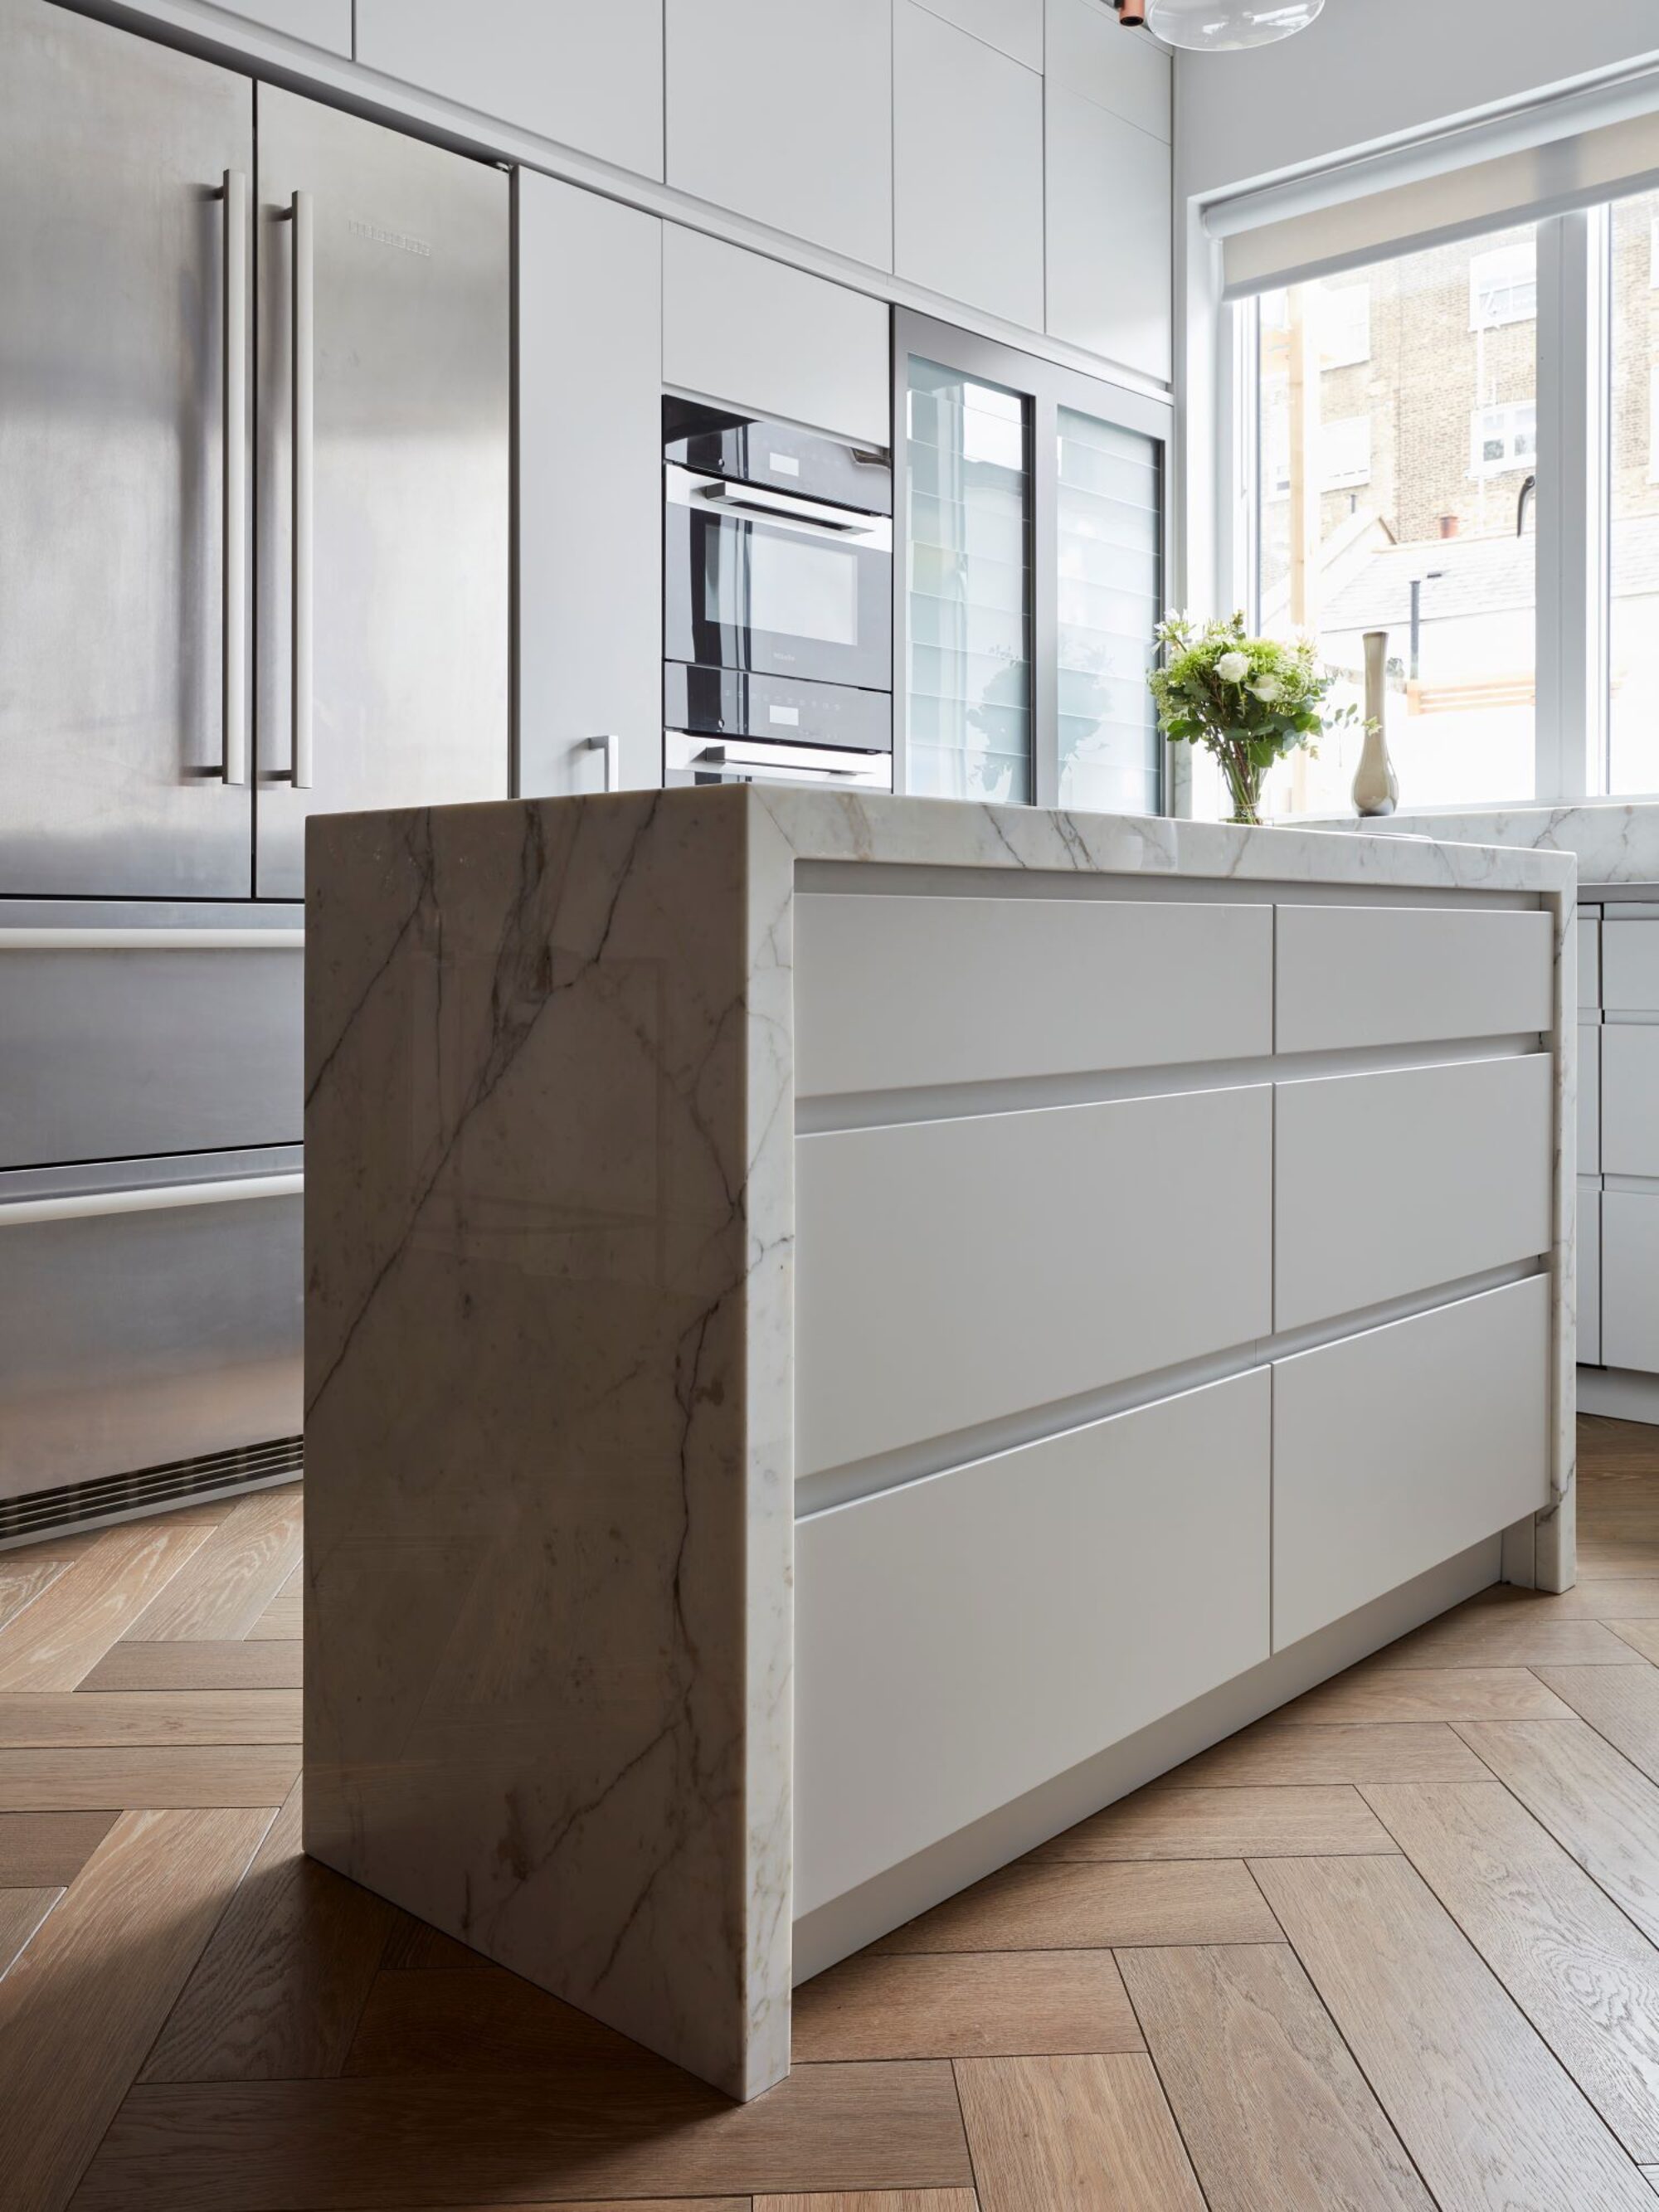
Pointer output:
x,y
1571,152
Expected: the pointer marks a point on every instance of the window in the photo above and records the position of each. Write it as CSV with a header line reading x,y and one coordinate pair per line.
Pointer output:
x,y
1345,324
1503,285
1505,437
1427,549
1632,499
1345,452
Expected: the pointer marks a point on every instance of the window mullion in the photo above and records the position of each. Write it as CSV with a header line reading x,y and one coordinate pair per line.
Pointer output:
x,y
1570,722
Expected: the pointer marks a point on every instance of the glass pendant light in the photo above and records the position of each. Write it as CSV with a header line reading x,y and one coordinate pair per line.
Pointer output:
x,y
1205,27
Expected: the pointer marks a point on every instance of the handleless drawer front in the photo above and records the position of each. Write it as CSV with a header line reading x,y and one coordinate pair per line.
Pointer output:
x,y
120,1043
1630,1281
1388,1184
1399,1449
1590,1098
951,1272
1630,1098
1630,964
1589,1272
896,992
1359,975
1590,958
962,1640
143,1325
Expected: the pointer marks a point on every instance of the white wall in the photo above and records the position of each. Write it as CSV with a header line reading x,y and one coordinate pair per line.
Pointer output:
x,y
1372,70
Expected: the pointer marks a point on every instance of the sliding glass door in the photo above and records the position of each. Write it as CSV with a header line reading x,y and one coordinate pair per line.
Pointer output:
x,y
1032,521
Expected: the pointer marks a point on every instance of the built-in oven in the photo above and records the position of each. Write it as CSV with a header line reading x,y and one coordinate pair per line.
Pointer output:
x,y
778,626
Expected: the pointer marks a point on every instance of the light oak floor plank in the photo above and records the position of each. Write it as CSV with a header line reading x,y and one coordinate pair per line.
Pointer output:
x,y
1093,2135
1585,1978
53,1644
22,1911
1082,1908
865,2200
1589,1797
1370,1693
279,1989
414,1947
1338,1751
1639,1631
46,1851
74,1719
1605,1443
1620,1703
1271,2106
80,2007
437,2022
283,1619
1606,1598
155,1778
965,2005
233,1577
1490,2118
428,2141
1506,1636
21,1582
211,1666
1613,1551
1165,1823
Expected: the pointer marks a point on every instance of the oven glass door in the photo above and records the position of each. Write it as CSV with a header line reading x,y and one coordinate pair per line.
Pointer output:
x,y
766,594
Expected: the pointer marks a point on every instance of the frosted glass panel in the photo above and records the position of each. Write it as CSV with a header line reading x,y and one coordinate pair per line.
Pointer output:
x,y
1108,513
968,586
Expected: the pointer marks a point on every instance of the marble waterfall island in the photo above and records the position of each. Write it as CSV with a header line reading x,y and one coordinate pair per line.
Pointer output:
x,y
839,1340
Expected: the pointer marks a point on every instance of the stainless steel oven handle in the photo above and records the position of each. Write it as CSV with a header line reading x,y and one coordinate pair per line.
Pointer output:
x,y
747,499
301,634
233,765
96,1204
717,756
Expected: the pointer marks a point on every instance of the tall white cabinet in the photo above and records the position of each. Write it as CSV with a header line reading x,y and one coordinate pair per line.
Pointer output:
x,y
1619,1154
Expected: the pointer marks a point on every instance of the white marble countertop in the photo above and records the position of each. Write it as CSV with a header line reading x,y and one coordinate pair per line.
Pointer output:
x,y
1613,840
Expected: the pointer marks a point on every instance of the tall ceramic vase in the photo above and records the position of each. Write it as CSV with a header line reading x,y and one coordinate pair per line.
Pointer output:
x,y
1375,785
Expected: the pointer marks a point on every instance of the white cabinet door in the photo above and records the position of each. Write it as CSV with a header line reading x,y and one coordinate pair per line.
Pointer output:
x,y
1590,1098
892,992
1590,957
783,110
590,488
1013,26
1089,53
1589,1272
589,76
1363,974
951,1274
1109,234
1629,963
1399,1449
755,334
1629,1279
968,168
1630,1097
961,1640
1392,1183
319,22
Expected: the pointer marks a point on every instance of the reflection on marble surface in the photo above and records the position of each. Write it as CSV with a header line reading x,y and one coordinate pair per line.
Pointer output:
x,y
549,1121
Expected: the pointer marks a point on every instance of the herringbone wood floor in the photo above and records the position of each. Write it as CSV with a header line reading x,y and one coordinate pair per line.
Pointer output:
x,y
1397,1946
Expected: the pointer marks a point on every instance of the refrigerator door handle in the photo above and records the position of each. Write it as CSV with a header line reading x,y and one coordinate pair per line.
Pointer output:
x,y
234,764
97,1204
301,637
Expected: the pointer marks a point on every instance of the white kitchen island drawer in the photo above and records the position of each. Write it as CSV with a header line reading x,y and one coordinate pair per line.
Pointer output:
x,y
949,1273
1589,1272
1630,1281
961,1640
894,991
1357,975
1400,1448
1630,1098
1630,963
1391,1183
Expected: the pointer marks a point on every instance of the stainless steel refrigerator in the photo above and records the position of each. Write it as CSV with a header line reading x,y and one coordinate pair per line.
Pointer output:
x,y
254,544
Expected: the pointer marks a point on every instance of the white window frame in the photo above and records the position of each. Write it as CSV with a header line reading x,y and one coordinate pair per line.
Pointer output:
x,y
1505,417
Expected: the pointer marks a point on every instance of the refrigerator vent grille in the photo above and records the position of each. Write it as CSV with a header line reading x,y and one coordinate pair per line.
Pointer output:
x,y
147,1489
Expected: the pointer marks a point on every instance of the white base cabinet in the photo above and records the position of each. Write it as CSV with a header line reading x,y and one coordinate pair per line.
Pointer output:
x,y
1630,1281
959,1641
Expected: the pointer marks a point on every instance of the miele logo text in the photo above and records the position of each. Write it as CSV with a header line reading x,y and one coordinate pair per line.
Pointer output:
x,y
401,240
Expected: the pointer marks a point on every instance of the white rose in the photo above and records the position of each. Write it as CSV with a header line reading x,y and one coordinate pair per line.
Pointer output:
x,y
1233,667
1266,689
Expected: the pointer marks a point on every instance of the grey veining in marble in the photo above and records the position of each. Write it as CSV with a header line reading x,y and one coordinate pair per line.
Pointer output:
x,y
549,1121
1613,840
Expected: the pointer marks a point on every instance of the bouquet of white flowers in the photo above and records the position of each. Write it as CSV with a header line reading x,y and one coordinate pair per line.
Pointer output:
x,y
1250,700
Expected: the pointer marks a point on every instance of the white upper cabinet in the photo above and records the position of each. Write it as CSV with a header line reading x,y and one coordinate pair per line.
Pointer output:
x,y
783,110
1090,55
1109,235
590,77
1012,27
319,22
968,168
